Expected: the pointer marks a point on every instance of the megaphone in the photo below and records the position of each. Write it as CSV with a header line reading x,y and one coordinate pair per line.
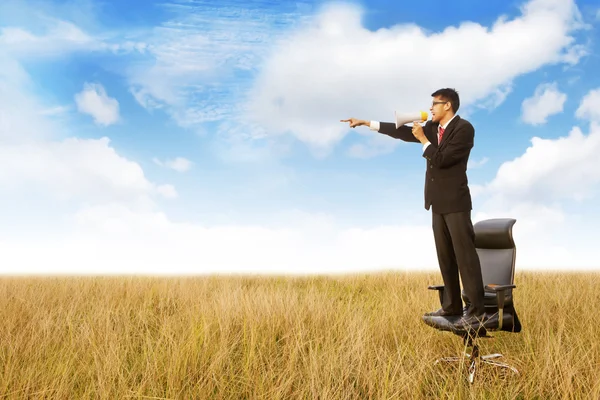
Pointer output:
x,y
404,118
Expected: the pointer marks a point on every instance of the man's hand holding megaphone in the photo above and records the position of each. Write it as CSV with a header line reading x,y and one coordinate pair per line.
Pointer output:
x,y
417,131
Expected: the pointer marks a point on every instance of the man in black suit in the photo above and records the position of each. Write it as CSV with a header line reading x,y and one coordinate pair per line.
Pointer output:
x,y
447,142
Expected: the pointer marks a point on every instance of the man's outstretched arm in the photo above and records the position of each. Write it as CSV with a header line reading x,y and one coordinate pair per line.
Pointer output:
x,y
403,132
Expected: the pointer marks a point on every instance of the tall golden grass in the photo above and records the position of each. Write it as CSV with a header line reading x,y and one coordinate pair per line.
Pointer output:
x,y
251,337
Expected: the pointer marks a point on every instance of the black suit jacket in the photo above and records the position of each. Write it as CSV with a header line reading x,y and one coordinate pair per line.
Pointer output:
x,y
446,183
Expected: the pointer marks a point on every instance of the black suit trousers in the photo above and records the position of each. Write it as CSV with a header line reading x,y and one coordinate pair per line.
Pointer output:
x,y
455,245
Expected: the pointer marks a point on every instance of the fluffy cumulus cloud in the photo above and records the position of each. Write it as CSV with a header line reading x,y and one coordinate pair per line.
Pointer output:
x,y
560,169
84,169
334,68
589,108
94,101
546,101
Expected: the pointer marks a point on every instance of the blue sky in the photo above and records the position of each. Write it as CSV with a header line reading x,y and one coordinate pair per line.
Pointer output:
x,y
189,137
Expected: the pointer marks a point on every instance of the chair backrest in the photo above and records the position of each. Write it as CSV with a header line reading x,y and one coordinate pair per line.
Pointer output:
x,y
496,249
497,253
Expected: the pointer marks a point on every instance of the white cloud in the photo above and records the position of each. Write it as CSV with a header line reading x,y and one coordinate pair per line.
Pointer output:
x,y
179,164
55,111
238,142
145,99
60,37
334,68
563,168
21,116
167,191
372,146
94,101
546,101
472,164
116,239
193,59
85,169
32,32
589,108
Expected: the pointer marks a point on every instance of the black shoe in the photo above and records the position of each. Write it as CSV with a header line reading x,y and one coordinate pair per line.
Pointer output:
x,y
442,313
470,323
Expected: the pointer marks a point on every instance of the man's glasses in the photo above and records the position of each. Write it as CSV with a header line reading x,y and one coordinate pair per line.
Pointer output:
x,y
437,102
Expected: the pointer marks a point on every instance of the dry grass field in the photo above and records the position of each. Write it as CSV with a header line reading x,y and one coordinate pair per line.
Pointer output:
x,y
236,337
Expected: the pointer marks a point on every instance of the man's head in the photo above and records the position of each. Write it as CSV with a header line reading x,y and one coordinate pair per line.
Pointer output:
x,y
444,105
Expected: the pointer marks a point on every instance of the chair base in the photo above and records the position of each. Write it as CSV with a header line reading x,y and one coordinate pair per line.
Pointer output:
x,y
475,359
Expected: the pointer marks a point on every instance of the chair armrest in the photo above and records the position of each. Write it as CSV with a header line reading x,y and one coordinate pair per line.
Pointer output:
x,y
440,289
435,287
499,288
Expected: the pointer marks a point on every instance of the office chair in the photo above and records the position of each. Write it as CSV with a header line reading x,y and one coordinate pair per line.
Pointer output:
x,y
497,253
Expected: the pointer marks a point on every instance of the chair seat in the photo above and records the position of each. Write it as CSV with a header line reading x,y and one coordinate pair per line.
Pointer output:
x,y
491,324
489,299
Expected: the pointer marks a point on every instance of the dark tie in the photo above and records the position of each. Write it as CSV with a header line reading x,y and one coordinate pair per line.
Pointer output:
x,y
440,135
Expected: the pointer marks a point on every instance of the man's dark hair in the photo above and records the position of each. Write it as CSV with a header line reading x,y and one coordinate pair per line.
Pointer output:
x,y
450,95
